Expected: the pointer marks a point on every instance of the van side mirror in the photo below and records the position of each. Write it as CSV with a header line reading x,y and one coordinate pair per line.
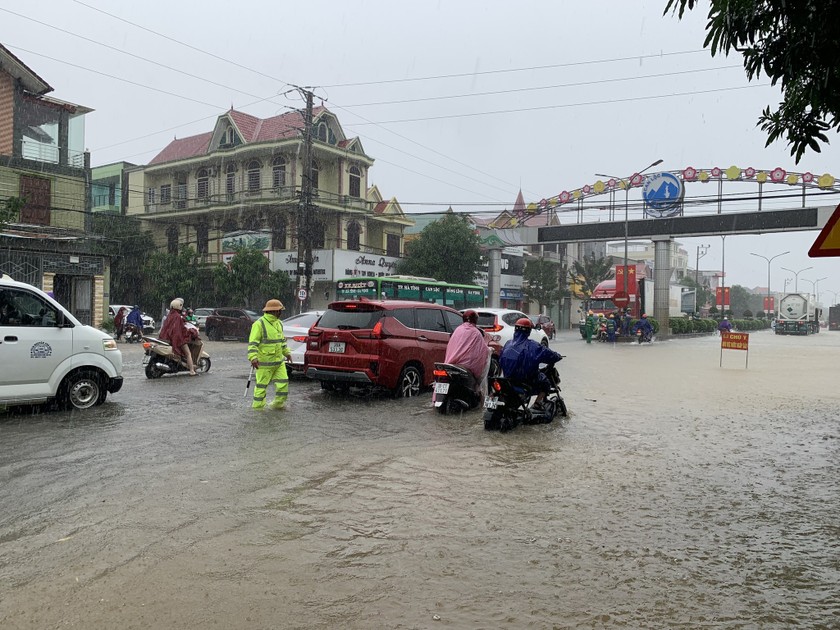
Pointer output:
x,y
60,320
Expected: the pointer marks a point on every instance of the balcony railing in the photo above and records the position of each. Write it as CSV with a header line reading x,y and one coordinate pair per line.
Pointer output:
x,y
50,153
250,197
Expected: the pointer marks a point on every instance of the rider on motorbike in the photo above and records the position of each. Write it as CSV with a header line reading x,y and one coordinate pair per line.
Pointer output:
x,y
135,318
645,326
468,347
521,357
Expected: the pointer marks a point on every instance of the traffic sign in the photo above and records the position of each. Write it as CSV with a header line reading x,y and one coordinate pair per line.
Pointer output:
x,y
828,241
302,294
621,299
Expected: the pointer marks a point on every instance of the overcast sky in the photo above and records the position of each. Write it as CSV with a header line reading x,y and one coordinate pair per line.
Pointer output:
x,y
578,88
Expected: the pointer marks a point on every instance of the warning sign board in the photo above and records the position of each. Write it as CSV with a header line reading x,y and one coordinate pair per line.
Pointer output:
x,y
828,241
734,341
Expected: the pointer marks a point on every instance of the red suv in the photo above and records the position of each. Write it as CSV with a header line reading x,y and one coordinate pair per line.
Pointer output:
x,y
390,344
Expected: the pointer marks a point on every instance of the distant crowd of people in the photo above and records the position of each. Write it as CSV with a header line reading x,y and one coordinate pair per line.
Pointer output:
x,y
606,327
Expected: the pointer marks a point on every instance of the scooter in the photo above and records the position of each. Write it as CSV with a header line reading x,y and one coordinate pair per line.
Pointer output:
x,y
509,402
454,389
160,359
643,336
132,334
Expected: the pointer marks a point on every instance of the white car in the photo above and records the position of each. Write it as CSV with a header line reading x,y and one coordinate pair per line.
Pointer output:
x,y
500,321
148,322
201,315
296,328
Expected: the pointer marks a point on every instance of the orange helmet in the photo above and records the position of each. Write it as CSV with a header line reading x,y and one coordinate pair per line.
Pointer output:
x,y
471,316
524,324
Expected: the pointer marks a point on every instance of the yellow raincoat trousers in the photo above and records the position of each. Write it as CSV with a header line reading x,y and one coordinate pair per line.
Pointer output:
x,y
267,344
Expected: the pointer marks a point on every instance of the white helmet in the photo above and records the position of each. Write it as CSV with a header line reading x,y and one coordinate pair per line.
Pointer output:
x,y
177,304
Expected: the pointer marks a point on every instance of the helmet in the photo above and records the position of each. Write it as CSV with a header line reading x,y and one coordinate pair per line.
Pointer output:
x,y
471,316
177,304
612,316
273,305
644,315
725,318
523,324
590,312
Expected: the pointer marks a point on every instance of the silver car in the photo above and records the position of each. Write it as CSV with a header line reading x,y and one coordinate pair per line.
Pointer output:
x,y
500,321
296,328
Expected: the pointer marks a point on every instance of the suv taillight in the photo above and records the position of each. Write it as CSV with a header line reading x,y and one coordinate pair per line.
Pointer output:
x,y
376,333
494,328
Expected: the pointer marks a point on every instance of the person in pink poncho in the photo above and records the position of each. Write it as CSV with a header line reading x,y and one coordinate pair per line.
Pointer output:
x,y
468,347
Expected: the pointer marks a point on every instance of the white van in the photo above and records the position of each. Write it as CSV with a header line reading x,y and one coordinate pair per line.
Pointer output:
x,y
46,354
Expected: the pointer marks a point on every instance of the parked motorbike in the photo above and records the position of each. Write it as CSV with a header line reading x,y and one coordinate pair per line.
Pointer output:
x,y
602,333
160,359
454,389
509,402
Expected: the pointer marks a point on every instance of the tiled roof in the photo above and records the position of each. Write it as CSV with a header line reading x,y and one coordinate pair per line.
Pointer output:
x,y
253,129
183,148
380,207
519,204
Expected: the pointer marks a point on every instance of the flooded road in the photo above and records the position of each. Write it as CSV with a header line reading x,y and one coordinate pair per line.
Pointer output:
x,y
678,494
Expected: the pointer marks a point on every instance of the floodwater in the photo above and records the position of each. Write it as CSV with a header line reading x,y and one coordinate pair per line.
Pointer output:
x,y
678,494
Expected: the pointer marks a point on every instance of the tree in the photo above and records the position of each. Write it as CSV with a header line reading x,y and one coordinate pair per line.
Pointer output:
x,y
589,272
796,44
171,276
542,282
9,210
446,250
249,281
129,245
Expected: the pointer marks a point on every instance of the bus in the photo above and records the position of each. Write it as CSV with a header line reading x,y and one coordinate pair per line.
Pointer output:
x,y
457,296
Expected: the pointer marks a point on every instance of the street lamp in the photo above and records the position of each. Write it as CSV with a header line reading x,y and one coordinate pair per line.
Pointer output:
x,y
769,260
834,293
815,286
626,209
700,255
796,276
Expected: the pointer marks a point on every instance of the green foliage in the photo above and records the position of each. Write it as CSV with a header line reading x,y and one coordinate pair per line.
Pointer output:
x,y
589,272
795,44
748,314
248,280
9,210
542,281
129,245
171,276
108,325
446,250
713,310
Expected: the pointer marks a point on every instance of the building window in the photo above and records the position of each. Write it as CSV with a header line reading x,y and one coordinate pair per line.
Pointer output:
x,y
172,239
315,176
36,194
181,193
321,132
166,193
230,180
230,136
392,245
278,233
355,182
354,231
278,173
318,235
202,238
202,190
254,175
251,224
228,226
150,196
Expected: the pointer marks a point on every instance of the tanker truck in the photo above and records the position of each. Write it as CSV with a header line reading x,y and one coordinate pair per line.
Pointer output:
x,y
797,315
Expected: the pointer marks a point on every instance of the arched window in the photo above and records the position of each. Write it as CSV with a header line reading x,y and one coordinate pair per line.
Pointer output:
x,y
172,239
321,132
202,238
318,235
254,175
230,136
278,173
316,170
230,180
228,226
355,181
251,224
278,233
354,231
202,190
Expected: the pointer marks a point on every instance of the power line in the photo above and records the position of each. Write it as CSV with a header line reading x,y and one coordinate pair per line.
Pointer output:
x,y
509,70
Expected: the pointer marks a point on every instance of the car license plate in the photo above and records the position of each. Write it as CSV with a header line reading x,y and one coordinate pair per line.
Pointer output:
x,y
441,388
336,346
491,402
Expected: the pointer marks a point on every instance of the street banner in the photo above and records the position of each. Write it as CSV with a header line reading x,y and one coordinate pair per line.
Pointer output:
x,y
722,298
769,304
735,341
632,284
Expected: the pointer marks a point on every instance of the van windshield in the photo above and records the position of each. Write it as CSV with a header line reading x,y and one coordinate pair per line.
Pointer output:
x,y
350,319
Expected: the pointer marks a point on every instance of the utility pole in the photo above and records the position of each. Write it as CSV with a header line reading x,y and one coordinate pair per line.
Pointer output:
x,y
305,211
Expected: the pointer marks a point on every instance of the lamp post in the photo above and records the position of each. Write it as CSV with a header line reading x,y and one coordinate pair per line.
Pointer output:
x,y
700,255
769,260
796,276
787,280
627,208
815,286
834,293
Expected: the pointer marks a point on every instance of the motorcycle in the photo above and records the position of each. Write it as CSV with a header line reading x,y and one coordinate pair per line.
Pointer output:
x,y
643,336
509,402
454,389
602,333
160,359
132,334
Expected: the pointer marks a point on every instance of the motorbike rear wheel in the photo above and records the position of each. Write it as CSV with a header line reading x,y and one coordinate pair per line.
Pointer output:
x,y
203,365
152,371
493,419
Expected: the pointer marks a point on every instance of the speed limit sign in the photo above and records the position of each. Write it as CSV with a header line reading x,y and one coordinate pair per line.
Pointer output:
x,y
302,294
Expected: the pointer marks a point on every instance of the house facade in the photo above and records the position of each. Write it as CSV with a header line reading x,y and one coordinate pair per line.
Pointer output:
x,y
43,163
242,182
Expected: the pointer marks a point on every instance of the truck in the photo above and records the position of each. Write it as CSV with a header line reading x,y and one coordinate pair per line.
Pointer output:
x,y
601,300
834,317
797,315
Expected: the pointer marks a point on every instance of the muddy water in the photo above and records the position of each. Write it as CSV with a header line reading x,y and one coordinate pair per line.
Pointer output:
x,y
679,494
